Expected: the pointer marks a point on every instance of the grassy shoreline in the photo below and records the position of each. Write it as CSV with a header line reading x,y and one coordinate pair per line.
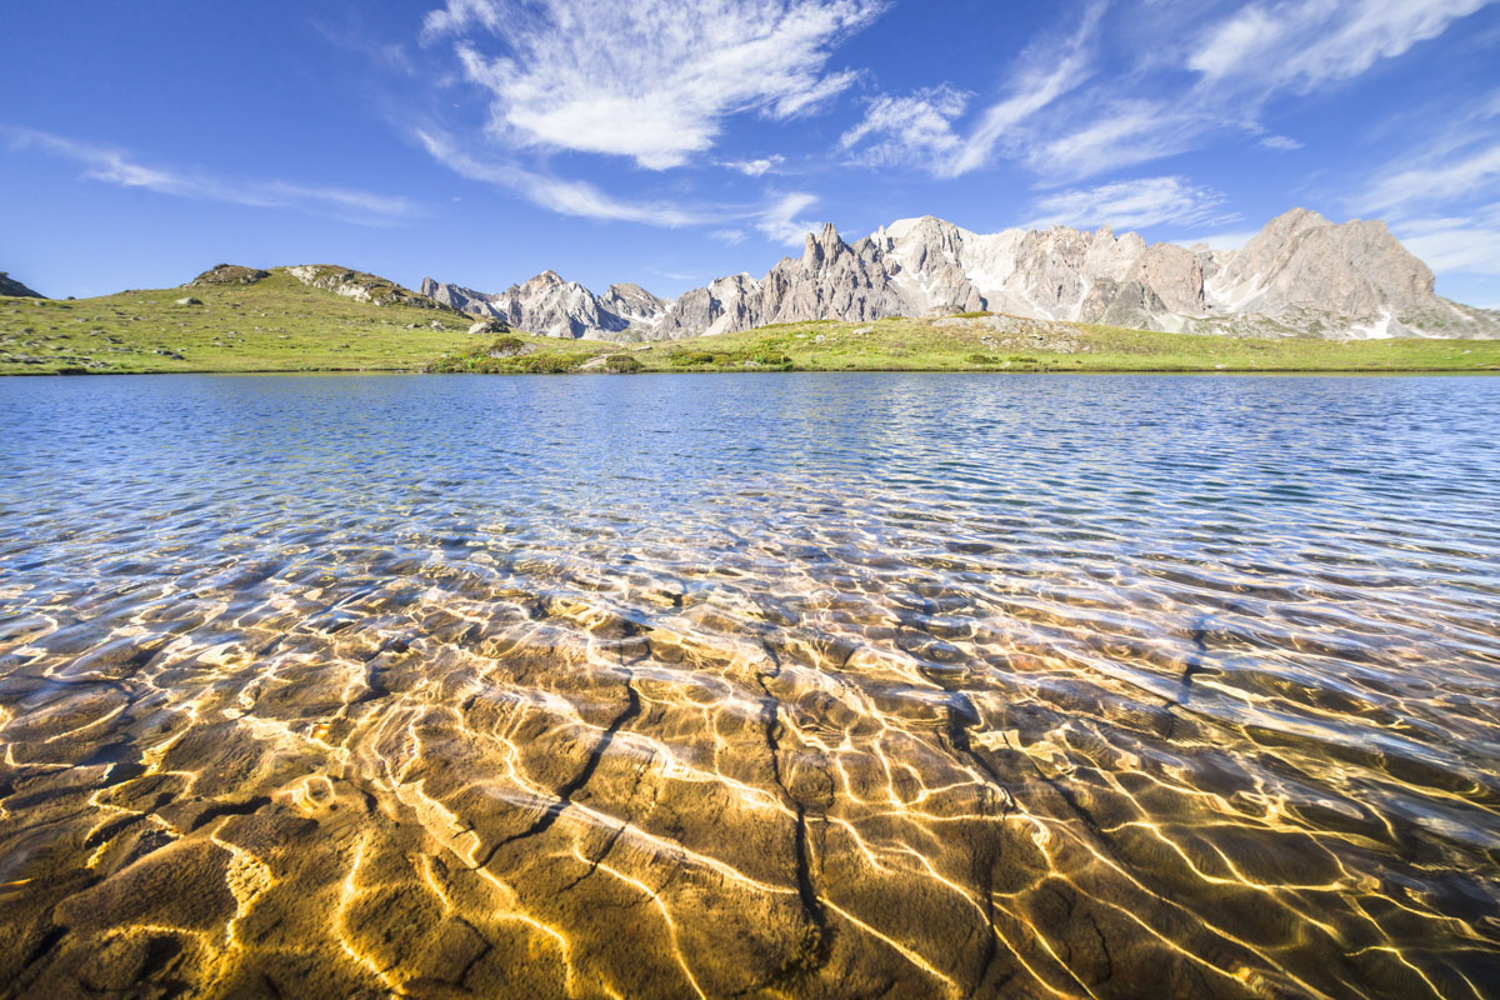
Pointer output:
x,y
280,325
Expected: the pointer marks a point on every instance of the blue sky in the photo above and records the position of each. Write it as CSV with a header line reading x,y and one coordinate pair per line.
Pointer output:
x,y
667,142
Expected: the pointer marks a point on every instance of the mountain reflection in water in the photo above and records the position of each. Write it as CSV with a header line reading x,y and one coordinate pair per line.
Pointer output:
x,y
823,686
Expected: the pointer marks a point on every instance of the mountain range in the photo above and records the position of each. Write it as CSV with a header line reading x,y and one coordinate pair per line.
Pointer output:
x,y
1301,275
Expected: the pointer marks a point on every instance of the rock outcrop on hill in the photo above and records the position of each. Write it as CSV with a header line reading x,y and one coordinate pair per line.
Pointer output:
x,y
1301,275
360,286
549,305
10,286
229,274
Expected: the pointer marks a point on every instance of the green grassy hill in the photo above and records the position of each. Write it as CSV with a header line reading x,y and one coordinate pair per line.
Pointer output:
x,y
245,322
275,324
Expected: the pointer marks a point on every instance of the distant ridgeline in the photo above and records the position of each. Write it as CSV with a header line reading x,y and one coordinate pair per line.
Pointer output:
x,y
1302,275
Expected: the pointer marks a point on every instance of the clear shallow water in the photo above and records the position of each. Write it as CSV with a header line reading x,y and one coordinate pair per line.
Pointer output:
x,y
836,686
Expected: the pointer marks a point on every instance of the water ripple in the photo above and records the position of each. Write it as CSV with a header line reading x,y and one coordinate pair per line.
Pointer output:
x,y
775,685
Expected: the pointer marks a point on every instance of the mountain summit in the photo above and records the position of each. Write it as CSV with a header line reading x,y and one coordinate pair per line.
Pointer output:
x,y
1301,275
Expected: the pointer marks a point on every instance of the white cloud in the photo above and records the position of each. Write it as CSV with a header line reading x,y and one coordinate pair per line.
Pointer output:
x,y
914,131
563,196
459,15
1065,121
1465,246
1469,244
1242,62
754,168
779,222
1221,241
1401,190
1444,202
729,237
1129,132
919,129
1281,142
1231,46
1150,201
113,166
1301,44
1050,75
649,79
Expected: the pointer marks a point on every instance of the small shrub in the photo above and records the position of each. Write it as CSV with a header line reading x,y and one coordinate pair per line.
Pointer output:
x,y
982,359
505,347
622,364
685,359
543,364
769,359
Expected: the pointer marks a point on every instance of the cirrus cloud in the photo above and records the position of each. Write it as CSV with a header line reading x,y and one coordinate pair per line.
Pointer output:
x,y
115,166
1136,204
653,80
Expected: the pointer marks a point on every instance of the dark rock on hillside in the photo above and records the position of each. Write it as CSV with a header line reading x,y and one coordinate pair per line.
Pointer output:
x,y
10,286
229,274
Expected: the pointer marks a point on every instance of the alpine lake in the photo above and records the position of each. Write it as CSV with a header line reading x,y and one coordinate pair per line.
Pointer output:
x,y
769,685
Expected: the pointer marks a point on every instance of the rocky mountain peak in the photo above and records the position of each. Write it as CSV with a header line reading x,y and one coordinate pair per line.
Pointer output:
x,y
820,249
1302,274
1303,263
547,279
549,304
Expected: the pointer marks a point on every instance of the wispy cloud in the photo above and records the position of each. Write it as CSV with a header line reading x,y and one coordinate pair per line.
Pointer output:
x,y
1444,199
1045,78
1468,244
1301,45
905,130
1436,181
754,168
1284,143
1125,134
775,218
779,222
1232,240
1444,202
114,166
1066,119
653,80
1136,204
563,196
919,128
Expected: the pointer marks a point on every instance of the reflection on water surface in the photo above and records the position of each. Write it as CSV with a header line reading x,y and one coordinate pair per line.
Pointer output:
x,y
765,686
